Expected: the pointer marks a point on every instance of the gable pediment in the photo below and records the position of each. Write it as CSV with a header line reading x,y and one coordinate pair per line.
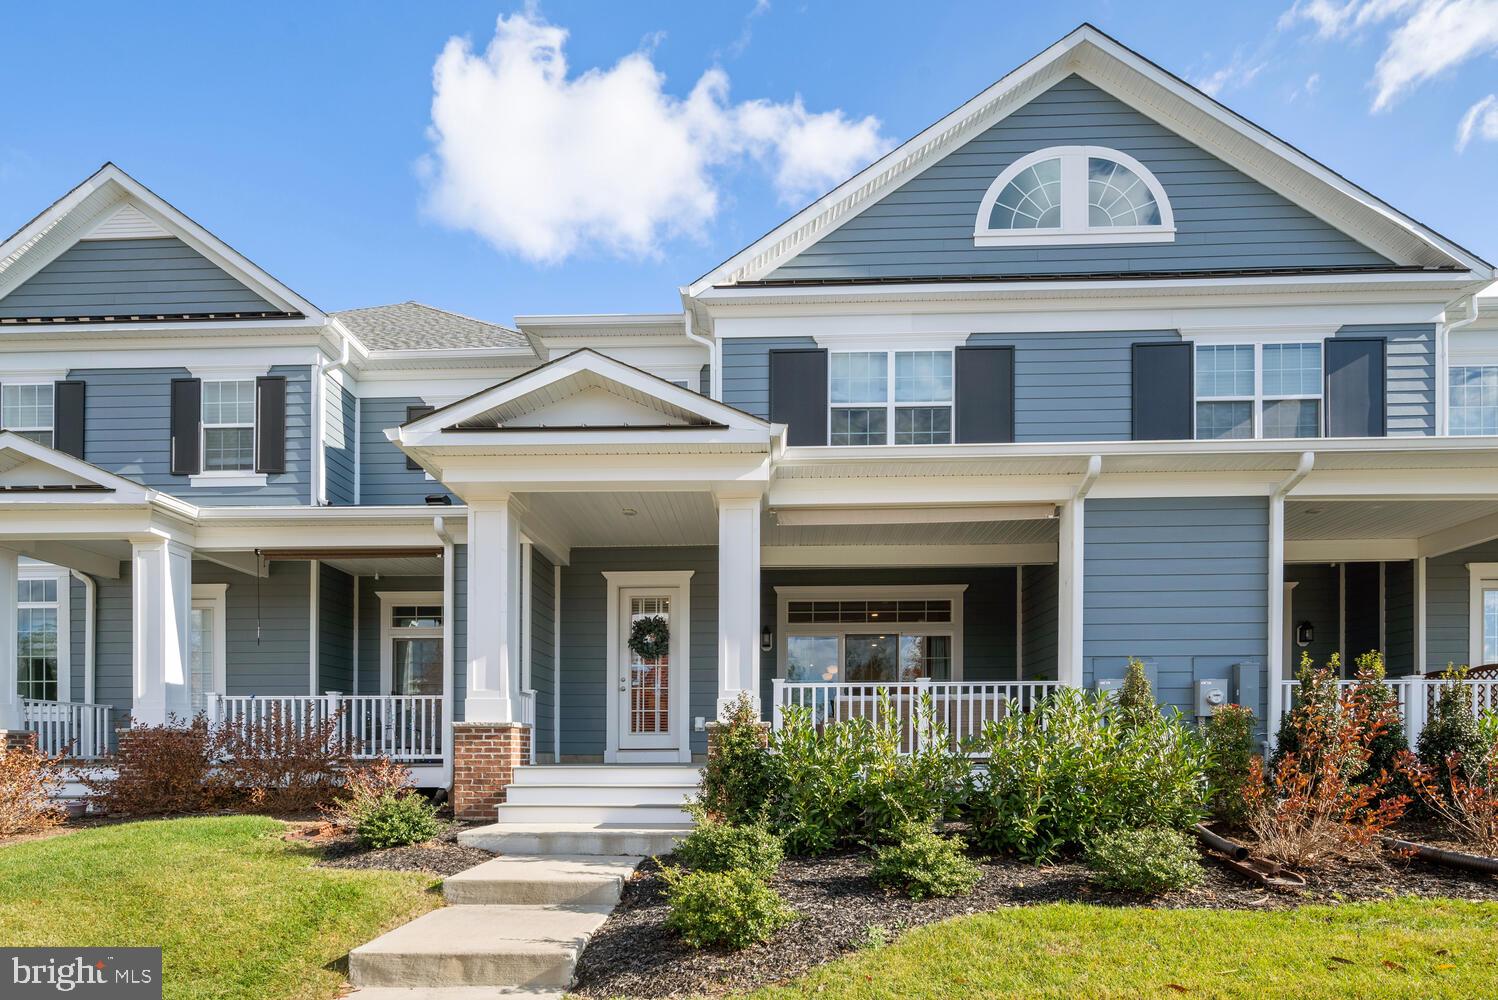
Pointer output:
x,y
31,470
587,400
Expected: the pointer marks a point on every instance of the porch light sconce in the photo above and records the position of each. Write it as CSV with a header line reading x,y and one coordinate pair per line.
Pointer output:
x,y
1305,634
766,639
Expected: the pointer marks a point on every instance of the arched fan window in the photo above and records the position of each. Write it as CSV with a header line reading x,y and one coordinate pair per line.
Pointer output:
x,y
1074,195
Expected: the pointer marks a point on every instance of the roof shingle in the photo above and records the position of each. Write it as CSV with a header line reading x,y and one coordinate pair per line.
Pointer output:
x,y
412,326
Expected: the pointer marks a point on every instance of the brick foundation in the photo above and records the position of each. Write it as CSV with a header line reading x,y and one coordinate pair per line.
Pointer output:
x,y
485,755
17,739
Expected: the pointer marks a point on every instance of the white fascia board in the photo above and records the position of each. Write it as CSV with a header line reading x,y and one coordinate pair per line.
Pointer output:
x,y
509,441
193,358
1328,550
853,556
486,477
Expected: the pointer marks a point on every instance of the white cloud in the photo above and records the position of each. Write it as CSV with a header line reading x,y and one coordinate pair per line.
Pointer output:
x,y
1480,121
1239,72
544,164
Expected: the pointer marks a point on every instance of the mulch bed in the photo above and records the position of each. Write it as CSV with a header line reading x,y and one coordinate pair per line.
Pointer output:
x,y
634,955
441,856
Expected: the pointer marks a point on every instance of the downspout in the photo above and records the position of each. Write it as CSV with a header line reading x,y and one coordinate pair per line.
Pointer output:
x,y
319,453
1070,669
1443,365
714,379
90,604
439,526
1275,645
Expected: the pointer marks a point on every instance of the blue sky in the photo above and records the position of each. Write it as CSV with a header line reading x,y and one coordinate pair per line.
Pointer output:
x,y
303,133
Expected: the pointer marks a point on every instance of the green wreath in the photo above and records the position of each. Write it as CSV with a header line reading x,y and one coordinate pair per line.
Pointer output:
x,y
650,637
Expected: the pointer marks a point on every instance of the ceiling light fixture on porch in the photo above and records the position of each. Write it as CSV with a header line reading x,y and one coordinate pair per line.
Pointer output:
x,y
628,511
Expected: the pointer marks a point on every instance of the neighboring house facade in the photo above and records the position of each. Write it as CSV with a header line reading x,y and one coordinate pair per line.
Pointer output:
x,y
1092,368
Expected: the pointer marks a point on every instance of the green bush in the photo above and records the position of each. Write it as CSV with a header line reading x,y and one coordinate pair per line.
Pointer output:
x,y
1316,698
737,778
1136,702
1451,728
1150,860
1229,736
719,847
922,863
395,820
1386,746
733,908
1070,769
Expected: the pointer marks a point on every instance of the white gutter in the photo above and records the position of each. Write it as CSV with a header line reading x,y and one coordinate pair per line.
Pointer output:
x,y
1443,365
319,431
90,606
715,377
1084,487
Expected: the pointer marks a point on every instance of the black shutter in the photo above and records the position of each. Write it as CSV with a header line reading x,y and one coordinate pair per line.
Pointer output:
x,y
416,413
1164,390
1355,387
187,415
270,424
984,395
67,418
798,394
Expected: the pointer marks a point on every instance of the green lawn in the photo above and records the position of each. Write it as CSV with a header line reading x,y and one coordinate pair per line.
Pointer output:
x,y
239,912
1402,948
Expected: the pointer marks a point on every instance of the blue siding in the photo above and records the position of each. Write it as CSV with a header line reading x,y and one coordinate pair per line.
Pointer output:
x,y
1399,618
335,631
130,277
1409,376
543,652
1315,599
383,476
127,430
268,634
1223,218
369,626
583,684
1447,596
77,637
112,681
460,629
340,442
1038,629
746,371
1178,583
1073,386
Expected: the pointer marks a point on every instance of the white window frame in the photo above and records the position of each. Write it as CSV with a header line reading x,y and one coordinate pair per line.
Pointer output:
x,y
1075,230
51,428
214,598
389,601
63,605
1259,398
928,592
1486,361
890,405
243,478
1481,576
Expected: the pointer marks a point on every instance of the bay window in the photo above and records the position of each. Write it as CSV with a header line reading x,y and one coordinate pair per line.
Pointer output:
x,y
890,397
1258,390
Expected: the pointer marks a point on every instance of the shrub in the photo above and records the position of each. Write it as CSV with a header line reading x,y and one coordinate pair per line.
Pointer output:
x,y
281,763
364,784
1312,805
1382,700
713,846
29,783
922,863
1136,702
1069,769
1151,860
395,820
736,781
896,790
1229,736
158,770
1316,697
733,908
1451,731
1487,727
1469,807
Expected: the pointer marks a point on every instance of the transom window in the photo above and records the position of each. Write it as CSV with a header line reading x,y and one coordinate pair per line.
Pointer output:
x,y
416,616
1258,390
27,410
229,426
882,634
37,651
1474,401
890,397
1074,195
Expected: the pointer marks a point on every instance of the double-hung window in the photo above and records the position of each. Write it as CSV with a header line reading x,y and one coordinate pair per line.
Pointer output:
x,y
27,410
37,635
890,397
1474,400
1258,390
229,426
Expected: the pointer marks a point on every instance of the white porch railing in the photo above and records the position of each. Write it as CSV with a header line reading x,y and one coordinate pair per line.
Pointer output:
x,y
528,717
1416,695
402,727
962,707
80,730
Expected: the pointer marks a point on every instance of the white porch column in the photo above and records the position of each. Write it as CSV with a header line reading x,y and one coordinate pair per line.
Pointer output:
x,y
1069,581
11,718
493,693
161,618
738,598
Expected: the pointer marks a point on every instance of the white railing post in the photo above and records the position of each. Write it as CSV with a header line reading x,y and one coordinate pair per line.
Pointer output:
x,y
777,702
1416,693
918,723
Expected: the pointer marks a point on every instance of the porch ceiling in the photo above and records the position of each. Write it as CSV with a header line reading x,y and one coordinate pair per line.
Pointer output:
x,y
603,519
1309,520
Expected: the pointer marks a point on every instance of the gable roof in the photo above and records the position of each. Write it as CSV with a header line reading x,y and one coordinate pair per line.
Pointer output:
x,y
413,326
31,471
98,204
1118,70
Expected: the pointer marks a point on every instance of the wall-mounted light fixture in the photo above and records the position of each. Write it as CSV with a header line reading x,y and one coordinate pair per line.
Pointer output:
x,y
766,639
1305,634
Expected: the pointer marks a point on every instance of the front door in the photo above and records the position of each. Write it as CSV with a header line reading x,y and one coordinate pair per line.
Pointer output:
x,y
647,710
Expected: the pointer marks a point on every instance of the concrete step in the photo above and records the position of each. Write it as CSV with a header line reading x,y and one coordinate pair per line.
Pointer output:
x,y
591,839
529,946
568,794
608,774
624,815
578,880
453,993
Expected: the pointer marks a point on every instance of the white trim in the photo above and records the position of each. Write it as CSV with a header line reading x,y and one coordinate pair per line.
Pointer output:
x,y
1259,397
63,607
944,556
90,632
234,372
947,592
358,636
681,650
1478,574
1420,615
388,599
1075,228
556,662
1019,623
213,597
314,599
890,404
226,477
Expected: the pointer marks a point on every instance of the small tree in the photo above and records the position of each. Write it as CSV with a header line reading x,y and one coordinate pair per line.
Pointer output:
x,y
29,784
736,781
1451,731
1136,702
1382,701
1469,806
1229,735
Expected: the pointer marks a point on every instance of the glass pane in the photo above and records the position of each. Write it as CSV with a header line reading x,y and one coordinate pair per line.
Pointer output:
x,y
228,448
1225,370
229,402
1292,418
1224,420
811,658
1292,369
28,406
202,657
1474,399
1490,626
36,649
417,666
928,656
413,616
858,426
871,657
923,376
923,425
1116,196
649,680
859,376
1032,200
